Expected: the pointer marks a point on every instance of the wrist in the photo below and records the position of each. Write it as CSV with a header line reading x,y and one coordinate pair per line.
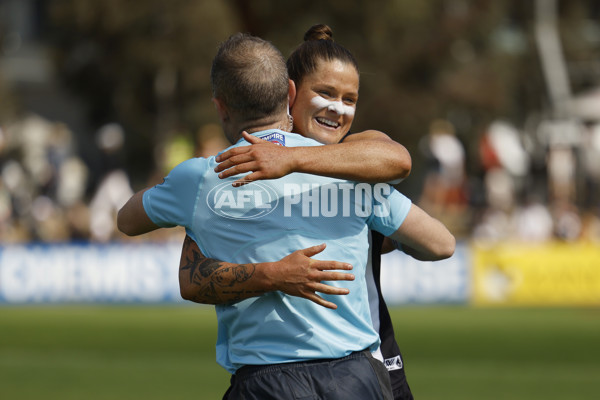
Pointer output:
x,y
265,273
295,159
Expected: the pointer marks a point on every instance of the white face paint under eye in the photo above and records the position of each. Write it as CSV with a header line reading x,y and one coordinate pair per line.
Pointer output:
x,y
336,106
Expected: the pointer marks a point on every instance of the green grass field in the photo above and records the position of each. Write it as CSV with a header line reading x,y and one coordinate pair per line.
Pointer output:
x,y
148,352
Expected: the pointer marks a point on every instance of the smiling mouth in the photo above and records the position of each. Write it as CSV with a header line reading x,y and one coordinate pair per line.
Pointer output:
x,y
327,122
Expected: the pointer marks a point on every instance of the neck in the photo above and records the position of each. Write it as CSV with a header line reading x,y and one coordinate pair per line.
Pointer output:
x,y
235,130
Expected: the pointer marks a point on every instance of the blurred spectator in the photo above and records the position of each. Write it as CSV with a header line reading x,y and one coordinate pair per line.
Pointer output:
x,y
590,227
499,189
591,166
505,163
444,193
507,145
568,225
561,172
114,188
494,225
533,222
38,182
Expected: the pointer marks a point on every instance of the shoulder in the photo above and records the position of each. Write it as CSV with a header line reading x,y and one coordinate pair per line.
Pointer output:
x,y
296,139
286,139
192,165
187,172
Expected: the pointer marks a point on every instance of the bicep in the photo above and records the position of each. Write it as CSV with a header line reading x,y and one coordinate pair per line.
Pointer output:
x,y
366,135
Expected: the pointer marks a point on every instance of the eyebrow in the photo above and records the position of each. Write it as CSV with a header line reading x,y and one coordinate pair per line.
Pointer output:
x,y
333,88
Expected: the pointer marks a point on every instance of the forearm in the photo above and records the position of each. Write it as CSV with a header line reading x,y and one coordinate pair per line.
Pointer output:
x,y
423,237
209,281
424,254
367,160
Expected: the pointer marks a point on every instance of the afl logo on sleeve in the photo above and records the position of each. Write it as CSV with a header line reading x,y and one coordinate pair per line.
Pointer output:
x,y
275,137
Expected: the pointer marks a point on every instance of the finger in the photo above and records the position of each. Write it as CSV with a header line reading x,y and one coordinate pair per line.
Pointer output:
x,y
238,169
232,152
321,301
331,265
311,251
233,161
328,289
253,139
336,276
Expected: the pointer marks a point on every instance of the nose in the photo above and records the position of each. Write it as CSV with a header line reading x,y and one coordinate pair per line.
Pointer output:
x,y
336,107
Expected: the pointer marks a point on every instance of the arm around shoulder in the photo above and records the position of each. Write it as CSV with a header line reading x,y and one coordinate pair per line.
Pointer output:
x,y
369,156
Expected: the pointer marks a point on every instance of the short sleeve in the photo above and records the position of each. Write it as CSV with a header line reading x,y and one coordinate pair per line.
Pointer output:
x,y
390,208
172,202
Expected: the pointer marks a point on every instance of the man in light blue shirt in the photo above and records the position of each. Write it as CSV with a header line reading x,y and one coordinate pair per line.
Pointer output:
x,y
267,221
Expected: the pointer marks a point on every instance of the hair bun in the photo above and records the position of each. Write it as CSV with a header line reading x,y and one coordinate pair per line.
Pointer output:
x,y
318,32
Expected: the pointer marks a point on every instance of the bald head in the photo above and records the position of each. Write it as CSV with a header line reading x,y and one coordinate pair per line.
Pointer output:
x,y
250,77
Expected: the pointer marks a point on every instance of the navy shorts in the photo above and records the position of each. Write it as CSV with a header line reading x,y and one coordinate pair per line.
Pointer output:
x,y
358,376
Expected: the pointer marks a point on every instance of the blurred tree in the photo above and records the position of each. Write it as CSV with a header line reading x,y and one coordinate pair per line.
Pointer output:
x,y
146,64
143,64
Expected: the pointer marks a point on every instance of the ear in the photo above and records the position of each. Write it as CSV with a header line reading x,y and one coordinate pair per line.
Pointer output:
x,y
221,109
291,92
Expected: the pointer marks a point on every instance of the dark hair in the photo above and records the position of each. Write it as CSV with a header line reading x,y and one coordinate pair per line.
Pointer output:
x,y
318,46
250,76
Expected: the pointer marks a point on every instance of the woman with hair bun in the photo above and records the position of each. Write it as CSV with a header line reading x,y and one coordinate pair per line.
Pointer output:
x,y
312,66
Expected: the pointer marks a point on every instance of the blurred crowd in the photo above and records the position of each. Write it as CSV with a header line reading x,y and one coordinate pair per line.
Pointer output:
x,y
525,188
49,193
147,63
513,189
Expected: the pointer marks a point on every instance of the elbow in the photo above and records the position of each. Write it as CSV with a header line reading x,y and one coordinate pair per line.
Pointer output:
x,y
123,225
185,293
402,166
406,164
446,248
190,293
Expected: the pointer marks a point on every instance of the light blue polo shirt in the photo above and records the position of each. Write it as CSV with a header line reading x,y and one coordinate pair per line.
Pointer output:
x,y
266,221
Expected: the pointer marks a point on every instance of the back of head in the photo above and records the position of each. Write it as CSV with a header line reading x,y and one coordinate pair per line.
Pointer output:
x,y
318,46
249,75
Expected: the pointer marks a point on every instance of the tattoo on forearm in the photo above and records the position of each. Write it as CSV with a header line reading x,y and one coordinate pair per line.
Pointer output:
x,y
210,277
